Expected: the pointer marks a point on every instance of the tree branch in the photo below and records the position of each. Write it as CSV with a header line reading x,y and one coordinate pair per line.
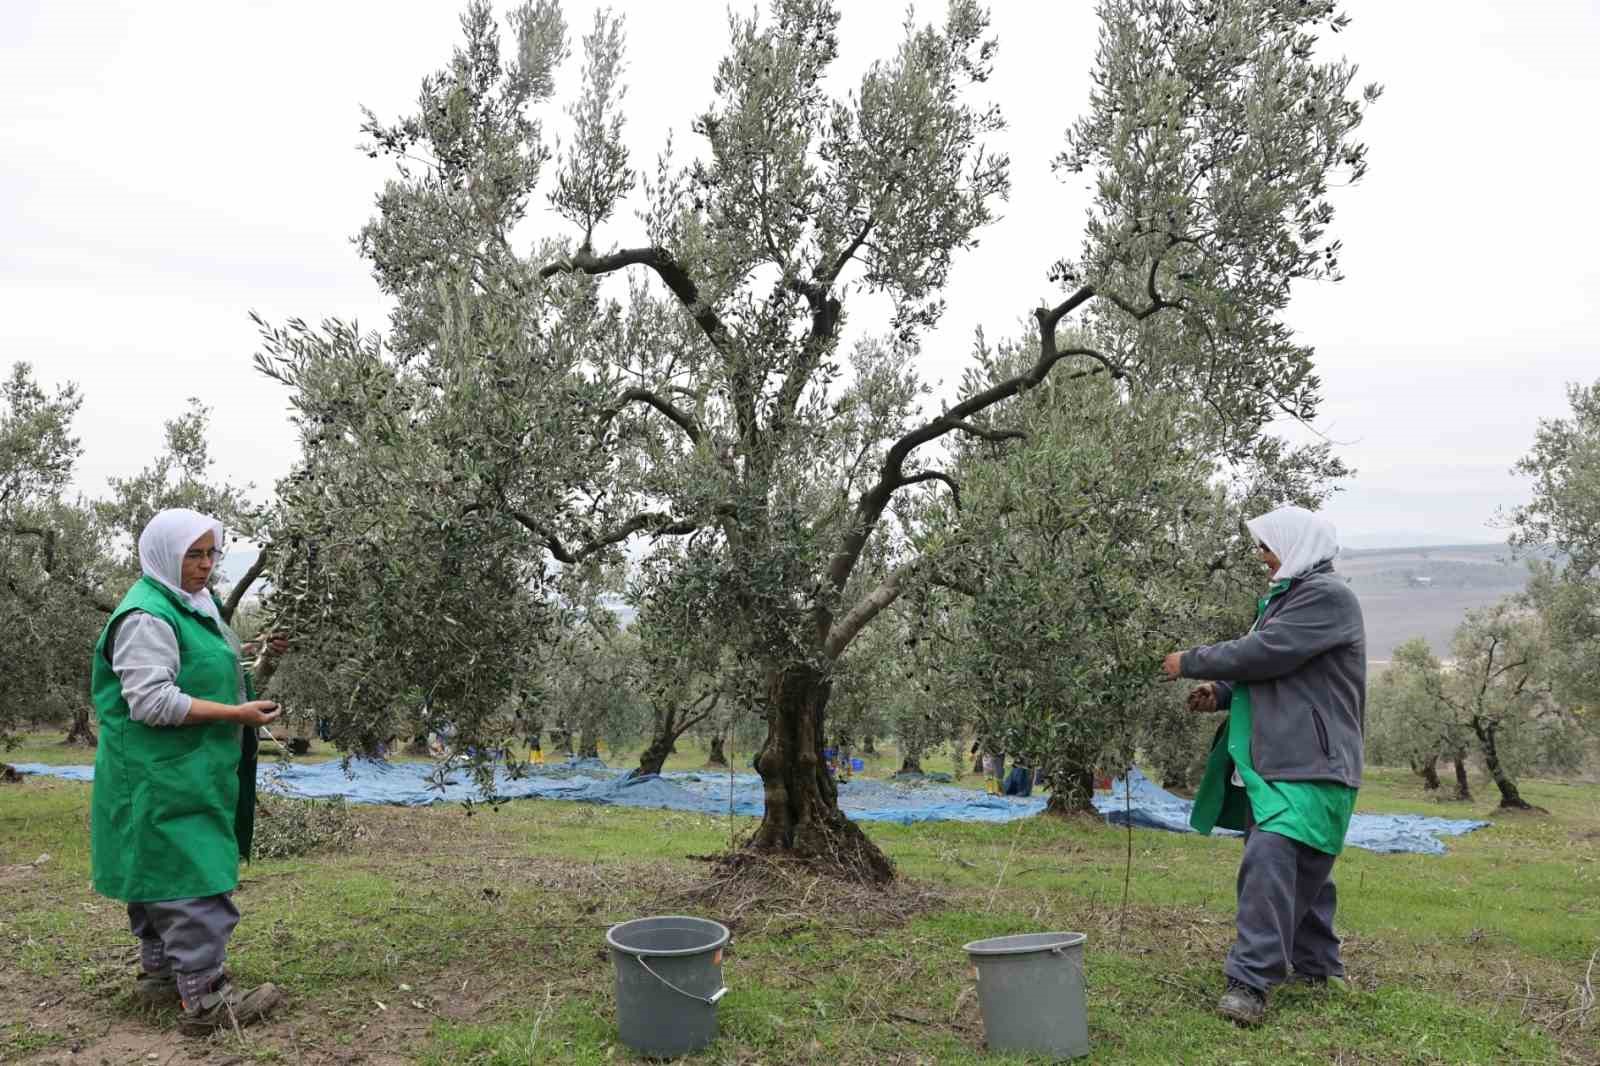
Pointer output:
x,y
236,594
677,279
828,276
684,420
715,696
995,435
653,522
1051,317
870,507
936,475
844,630
584,261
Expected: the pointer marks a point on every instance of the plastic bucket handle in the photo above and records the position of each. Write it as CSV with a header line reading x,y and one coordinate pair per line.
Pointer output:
x,y
710,1001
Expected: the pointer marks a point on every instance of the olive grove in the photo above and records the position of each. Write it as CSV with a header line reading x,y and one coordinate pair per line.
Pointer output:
x,y
550,394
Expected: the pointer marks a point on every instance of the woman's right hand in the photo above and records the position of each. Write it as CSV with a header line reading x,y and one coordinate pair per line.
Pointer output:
x,y
257,712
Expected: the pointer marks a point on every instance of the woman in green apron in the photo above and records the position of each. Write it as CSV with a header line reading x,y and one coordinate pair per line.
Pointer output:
x,y
1286,764
174,785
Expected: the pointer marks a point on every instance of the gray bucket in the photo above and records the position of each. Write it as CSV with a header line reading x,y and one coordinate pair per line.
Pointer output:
x,y
1030,991
669,979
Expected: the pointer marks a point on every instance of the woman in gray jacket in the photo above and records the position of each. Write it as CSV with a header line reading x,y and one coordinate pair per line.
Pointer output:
x,y
1286,764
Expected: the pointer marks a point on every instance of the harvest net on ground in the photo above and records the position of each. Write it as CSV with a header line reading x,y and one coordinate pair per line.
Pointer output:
x,y
904,801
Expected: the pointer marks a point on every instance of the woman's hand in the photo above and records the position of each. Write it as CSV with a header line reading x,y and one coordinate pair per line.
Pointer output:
x,y
1172,666
257,713
1203,700
254,713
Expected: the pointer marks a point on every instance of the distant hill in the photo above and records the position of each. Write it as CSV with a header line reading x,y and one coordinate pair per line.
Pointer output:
x,y
1427,591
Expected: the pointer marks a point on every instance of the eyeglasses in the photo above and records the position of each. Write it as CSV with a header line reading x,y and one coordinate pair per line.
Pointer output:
x,y
194,555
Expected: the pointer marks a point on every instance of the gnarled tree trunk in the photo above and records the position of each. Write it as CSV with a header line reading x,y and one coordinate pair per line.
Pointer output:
x,y
716,757
911,764
1463,789
82,732
867,745
802,817
588,745
1509,796
655,755
670,722
1428,770
1071,791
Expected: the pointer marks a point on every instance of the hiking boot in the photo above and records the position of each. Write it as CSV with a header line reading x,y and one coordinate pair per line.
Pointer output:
x,y
158,989
1242,1004
226,1006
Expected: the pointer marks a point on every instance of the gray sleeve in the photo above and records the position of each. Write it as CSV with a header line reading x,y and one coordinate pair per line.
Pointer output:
x,y
1224,693
144,656
1317,619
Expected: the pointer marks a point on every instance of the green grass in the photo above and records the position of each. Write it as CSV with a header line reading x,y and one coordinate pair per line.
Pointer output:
x,y
480,935
18,1041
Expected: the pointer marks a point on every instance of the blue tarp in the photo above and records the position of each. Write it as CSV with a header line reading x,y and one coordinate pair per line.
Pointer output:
x,y
1152,807
865,799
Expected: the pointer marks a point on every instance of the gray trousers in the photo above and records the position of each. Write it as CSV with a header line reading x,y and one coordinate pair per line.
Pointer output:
x,y
193,933
1286,905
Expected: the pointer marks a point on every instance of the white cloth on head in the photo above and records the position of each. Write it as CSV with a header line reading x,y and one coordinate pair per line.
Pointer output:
x,y
162,545
1301,539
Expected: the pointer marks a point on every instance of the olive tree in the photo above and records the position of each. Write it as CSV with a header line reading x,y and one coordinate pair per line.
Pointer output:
x,y
1107,537
1496,694
599,382
1564,517
596,687
56,568
1501,689
51,561
688,665
1409,724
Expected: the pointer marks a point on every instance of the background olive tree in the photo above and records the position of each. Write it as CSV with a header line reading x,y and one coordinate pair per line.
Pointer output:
x,y
1086,551
1497,695
1408,724
576,388
1564,516
55,559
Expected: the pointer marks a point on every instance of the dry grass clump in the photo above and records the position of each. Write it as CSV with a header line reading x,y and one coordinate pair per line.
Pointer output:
x,y
286,827
754,892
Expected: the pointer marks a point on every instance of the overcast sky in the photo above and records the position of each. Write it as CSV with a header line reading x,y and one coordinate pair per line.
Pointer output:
x,y
168,167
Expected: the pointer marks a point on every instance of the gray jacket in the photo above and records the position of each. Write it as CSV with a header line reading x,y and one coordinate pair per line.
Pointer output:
x,y
1306,664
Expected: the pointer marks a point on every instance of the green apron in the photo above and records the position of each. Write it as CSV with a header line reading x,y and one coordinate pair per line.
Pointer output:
x,y
173,808
1315,813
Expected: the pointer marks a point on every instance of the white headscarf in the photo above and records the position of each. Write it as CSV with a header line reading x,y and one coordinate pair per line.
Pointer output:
x,y
1301,539
161,547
